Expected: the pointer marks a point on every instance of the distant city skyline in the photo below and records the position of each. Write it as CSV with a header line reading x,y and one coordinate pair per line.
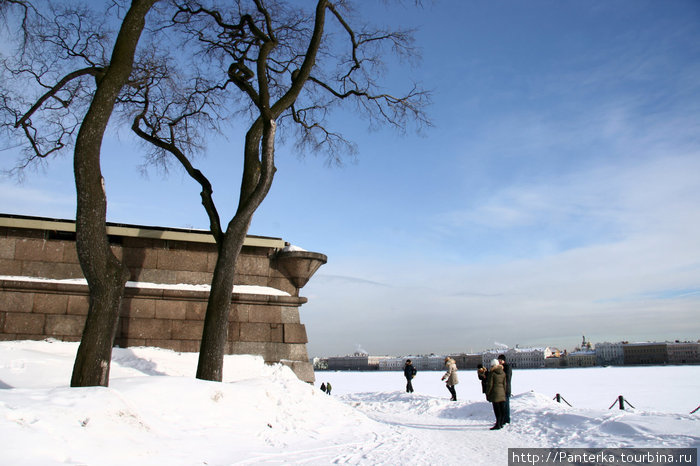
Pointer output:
x,y
504,348
556,195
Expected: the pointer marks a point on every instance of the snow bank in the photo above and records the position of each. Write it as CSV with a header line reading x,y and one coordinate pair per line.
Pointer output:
x,y
156,413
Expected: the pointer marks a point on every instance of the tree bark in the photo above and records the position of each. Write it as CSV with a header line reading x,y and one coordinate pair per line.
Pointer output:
x,y
215,332
105,274
257,180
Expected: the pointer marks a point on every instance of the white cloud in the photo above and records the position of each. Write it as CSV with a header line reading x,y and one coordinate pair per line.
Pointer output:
x,y
598,205
23,200
634,270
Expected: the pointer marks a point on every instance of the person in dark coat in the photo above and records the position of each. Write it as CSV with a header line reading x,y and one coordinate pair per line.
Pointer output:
x,y
483,374
496,393
323,387
509,375
409,371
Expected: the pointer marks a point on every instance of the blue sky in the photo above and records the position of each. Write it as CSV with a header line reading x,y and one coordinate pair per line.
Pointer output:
x,y
556,195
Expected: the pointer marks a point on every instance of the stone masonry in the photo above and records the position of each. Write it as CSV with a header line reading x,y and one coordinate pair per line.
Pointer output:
x,y
43,293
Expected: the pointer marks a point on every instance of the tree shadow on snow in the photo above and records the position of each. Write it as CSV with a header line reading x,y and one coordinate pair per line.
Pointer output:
x,y
460,427
125,357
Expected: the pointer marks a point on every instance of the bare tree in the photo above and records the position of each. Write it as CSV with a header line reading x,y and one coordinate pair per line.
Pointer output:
x,y
65,58
268,63
278,66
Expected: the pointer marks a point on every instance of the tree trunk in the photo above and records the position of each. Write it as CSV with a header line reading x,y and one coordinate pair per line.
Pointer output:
x,y
215,331
92,361
105,274
257,179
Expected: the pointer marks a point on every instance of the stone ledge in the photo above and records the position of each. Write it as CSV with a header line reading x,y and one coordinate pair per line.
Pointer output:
x,y
43,286
162,293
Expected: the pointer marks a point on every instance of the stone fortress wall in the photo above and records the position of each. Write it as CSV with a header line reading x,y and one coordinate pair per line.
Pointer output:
x,y
43,293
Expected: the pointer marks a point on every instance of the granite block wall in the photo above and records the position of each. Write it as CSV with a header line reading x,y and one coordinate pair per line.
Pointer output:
x,y
39,300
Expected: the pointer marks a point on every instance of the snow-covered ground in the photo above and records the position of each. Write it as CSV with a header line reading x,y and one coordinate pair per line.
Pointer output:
x,y
156,413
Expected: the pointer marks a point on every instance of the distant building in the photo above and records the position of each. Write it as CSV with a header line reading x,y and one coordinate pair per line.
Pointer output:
x,y
467,361
645,353
683,352
554,362
432,362
609,354
356,362
521,358
587,355
374,362
392,364
320,364
555,359
584,358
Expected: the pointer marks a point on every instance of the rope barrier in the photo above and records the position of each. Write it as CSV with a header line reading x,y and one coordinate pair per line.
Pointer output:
x,y
621,400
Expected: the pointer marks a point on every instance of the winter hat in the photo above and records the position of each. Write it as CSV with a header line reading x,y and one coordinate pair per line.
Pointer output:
x,y
494,363
502,357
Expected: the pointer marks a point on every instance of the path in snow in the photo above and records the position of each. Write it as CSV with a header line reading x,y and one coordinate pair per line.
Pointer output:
x,y
421,429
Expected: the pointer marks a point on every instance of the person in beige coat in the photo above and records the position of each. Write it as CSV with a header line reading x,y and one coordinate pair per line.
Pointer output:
x,y
496,393
450,377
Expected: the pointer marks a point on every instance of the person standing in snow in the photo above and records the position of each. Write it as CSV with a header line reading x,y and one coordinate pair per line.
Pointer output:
x,y
328,388
409,371
496,393
450,377
323,387
509,375
482,373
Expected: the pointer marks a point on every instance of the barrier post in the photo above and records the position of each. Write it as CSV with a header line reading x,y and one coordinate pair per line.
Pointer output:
x,y
621,400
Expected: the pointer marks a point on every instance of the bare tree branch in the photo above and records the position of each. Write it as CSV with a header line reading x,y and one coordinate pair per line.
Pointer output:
x,y
96,72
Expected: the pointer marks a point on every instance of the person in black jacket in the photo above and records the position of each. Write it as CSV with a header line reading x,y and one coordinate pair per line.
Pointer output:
x,y
509,375
483,374
409,371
